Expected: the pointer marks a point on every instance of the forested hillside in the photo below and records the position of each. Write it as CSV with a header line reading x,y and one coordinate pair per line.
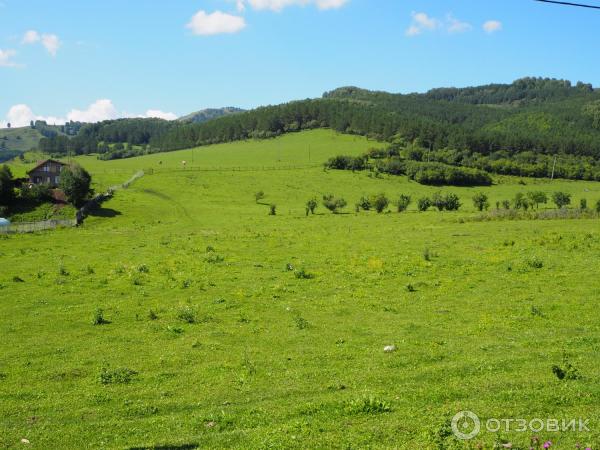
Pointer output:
x,y
209,114
516,128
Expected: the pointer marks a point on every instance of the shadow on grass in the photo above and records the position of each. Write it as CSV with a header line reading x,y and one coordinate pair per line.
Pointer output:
x,y
168,447
104,212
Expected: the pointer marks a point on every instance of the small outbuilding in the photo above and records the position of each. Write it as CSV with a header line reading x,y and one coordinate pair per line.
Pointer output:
x,y
4,222
46,172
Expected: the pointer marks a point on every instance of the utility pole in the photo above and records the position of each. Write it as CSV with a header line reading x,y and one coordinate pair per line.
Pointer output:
x,y
553,168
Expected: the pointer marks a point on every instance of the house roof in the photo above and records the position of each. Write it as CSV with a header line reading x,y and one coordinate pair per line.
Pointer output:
x,y
40,164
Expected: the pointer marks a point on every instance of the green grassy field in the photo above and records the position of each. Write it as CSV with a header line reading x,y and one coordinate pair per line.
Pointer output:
x,y
213,342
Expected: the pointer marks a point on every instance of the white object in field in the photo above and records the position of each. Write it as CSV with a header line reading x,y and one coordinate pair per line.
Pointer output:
x,y
389,348
4,222
183,163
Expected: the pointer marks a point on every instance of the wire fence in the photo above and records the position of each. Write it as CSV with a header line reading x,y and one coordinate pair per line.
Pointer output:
x,y
155,170
32,227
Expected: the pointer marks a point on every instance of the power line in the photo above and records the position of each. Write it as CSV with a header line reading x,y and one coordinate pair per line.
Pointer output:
x,y
580,5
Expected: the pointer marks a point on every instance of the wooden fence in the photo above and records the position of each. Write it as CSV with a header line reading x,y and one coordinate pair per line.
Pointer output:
x,y
32,227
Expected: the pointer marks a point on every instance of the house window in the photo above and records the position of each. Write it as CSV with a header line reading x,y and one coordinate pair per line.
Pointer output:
x,y
46,169
56,180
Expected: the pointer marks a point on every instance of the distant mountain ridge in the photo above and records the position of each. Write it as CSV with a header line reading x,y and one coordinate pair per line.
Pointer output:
x,y
209,114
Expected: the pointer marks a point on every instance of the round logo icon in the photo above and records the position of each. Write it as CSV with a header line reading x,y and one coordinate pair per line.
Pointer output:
x,y
466,425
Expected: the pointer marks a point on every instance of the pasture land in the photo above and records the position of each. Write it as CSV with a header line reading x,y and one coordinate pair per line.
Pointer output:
x,y
222,326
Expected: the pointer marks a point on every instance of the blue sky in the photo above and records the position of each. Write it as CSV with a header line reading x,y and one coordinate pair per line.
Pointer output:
x,y
98,59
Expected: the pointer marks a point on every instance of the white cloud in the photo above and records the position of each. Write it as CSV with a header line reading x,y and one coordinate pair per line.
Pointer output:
x,y
98,111
491,26
21,115
421,22
51,42
158,114
204,24
6,57
456,26
31,37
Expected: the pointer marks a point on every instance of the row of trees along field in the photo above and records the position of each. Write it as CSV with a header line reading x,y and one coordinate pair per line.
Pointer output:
x,y
485,127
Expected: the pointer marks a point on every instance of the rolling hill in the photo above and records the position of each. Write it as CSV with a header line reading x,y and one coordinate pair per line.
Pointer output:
x,y
209,114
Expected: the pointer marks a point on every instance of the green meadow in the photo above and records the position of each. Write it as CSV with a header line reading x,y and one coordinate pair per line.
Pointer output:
x,y
219,325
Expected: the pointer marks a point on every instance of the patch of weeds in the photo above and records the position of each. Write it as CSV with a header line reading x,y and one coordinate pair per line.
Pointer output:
x,y
18,279
185,284
90,270
219,301
428,254
187,314
210,249
152,315
243,319
63,272
143,268
368,405
566,371
122,375
3,376
137,281
301,322
508,243
537,312
214,258
120,269
41,274
175,330
534,262
98,318
303,275
289,267
411,288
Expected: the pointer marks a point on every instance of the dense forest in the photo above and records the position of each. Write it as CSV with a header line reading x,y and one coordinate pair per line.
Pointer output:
x,y
520,128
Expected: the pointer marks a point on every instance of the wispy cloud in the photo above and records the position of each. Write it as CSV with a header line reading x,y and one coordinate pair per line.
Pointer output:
x,y
492,26
50,42
204,24
6,58
422,22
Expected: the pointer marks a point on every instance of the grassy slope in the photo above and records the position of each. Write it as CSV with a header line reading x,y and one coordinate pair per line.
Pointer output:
x,y
248,374
29,138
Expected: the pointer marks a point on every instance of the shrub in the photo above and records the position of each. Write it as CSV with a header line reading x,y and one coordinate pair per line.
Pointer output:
x,y
380,202
116,376
583,204
534,262
312,205
143,268
368,405
438,174
272,210
364,203
98,318
75,181
437,200
424,204
7,185
537,197
506,204
480,201
303,275
301,323
259,196
520,201
403,202
333,203
343,162
561,199
152,315
186,314
452,202
567,371
598,206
